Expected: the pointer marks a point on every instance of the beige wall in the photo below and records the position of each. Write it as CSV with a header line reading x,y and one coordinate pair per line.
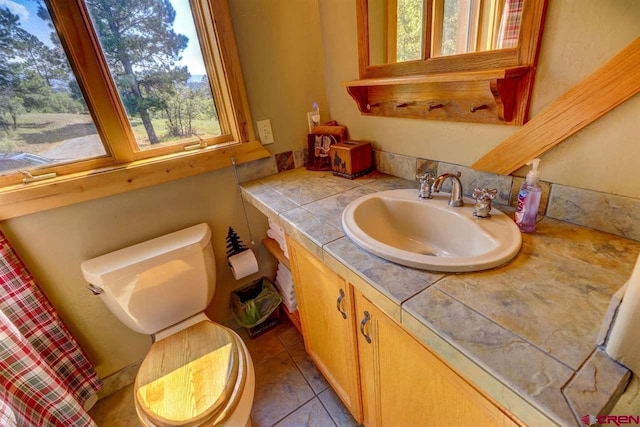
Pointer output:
x,y
579,35
56,242
281,55
280,49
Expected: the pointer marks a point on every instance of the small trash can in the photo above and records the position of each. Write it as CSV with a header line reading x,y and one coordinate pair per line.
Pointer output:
x,y
255,306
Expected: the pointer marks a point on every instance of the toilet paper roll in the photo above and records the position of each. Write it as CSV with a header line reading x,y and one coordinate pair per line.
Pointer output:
x,y
243,264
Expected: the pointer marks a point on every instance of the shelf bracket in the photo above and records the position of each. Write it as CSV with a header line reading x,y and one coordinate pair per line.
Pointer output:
x,y
360,94
505,93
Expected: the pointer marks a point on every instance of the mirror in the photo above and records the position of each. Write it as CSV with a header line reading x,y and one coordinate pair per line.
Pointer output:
x,y
452,60
414,30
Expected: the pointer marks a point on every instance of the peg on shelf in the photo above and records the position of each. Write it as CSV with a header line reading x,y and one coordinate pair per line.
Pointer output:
x,y
478,107
405,104
435,106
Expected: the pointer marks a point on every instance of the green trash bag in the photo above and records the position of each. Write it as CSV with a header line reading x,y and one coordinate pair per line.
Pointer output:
x,y
251,305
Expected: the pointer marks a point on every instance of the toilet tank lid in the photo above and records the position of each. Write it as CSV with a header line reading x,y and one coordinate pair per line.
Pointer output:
x,y
142,256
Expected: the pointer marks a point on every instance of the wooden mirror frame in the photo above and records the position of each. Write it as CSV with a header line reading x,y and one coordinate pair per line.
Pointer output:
x,y
507,73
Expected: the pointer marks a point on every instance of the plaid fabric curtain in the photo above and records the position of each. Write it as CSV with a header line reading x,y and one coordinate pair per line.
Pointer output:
x,y
45,378
510,24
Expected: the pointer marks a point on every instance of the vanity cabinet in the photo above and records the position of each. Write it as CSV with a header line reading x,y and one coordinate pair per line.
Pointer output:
x,y
404,384
326,307
381,373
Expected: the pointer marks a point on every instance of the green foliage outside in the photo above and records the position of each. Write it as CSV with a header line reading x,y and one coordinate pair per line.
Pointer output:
x,y
41,102
6,145
410,23
202,127
32,77
450,28
409,35
142,50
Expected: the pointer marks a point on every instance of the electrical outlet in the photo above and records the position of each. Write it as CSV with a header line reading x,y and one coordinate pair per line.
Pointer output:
x,y
313,119
265,132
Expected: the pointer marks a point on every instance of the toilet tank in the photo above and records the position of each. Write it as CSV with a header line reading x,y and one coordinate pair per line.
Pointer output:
x,y
158,283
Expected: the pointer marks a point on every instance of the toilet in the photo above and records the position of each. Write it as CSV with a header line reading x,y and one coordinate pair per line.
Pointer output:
x,y
197,372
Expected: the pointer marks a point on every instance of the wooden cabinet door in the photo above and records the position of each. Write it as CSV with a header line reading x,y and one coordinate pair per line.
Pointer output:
x,y
404,384
326,306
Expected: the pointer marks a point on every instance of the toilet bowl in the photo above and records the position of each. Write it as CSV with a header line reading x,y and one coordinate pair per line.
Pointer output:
x,y
197,372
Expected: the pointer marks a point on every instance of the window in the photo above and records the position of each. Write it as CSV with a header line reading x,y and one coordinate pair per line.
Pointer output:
x,y
44,119
463,26
153,53
88,86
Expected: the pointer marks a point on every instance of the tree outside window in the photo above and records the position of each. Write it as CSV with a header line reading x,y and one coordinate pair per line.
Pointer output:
x,y
153,54
145,53
41,106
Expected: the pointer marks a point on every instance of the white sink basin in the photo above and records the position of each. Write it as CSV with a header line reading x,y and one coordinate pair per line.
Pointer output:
x,y
429,234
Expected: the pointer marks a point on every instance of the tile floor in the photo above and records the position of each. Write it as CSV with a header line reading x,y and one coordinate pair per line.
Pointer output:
x,y
290,391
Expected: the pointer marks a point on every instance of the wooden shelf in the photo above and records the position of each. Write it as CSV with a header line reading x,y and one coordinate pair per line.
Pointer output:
x,y
466,76
485,96
274,248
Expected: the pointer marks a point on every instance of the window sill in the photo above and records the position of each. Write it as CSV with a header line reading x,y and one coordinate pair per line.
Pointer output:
x,y
25,199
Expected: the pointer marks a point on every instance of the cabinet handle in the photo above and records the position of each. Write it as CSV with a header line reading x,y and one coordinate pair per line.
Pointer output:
x,y
367,317
339,304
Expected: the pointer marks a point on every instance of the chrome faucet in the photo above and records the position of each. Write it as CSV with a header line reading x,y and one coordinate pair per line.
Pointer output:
x,y
456,188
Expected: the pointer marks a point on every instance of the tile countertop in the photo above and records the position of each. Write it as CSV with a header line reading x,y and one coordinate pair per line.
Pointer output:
x,y
525,332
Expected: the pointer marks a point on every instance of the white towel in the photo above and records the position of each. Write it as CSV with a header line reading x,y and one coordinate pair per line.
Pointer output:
x,y
290,307
281,241
276,228
290,301
286,289
285,279
275,236
284,271
284,282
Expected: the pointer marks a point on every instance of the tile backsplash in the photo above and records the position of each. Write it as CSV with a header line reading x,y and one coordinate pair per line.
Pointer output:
x,y
271,165
606,212
395,164
601,211
472,179
285,161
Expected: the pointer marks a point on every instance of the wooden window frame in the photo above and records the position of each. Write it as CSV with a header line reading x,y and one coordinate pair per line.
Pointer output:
x,y
392,31
126,167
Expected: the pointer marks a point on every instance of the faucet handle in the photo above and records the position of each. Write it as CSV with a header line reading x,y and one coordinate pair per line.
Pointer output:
x,y
426,181
427,176
483,198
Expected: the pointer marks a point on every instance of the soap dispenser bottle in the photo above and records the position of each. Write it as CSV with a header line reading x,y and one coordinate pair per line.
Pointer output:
x,y
529,199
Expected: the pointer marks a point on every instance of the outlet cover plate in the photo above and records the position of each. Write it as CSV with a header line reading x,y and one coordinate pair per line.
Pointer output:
x,y
265,132
313,119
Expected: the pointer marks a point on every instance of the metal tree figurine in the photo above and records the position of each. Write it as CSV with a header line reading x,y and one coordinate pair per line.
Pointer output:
x,y
234,244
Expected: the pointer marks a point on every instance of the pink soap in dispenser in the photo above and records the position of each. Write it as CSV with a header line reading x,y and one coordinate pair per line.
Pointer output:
x,y
529,199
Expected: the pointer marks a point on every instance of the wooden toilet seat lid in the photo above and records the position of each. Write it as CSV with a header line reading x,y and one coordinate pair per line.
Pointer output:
x,y
191,377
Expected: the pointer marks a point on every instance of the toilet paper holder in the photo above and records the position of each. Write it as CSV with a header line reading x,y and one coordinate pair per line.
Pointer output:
x,y
240,259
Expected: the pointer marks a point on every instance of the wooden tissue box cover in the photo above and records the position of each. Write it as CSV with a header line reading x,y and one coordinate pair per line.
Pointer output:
x,y
351,159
